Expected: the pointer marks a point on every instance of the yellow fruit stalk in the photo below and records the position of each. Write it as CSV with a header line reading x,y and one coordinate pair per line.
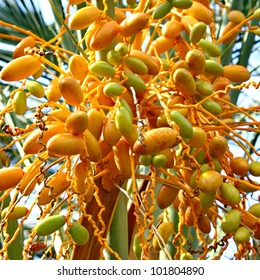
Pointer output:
x,y
229,33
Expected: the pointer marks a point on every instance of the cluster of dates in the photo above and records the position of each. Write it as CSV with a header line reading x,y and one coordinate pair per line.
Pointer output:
x,y
124,100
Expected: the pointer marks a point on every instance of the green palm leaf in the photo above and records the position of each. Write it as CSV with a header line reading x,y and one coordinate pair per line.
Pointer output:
x,y
28,15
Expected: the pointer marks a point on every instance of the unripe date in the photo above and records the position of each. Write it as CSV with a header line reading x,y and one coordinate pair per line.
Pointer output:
x,y
231,221
16,213
79,234
49,225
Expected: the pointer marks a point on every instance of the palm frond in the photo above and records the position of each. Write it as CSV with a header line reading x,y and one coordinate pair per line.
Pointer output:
x,y
29,16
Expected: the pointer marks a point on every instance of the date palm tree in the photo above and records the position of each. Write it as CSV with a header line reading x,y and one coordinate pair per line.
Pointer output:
x,y
29,15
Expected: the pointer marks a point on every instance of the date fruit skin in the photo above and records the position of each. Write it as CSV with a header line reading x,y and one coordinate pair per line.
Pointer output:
x,y
254,168
16,213
20,68
10,177
255,210
77,122
155,140
186,129
165,230
239,166
65,144
84,17
197,32
162,10
218,146
49,225
133,24
210,181
79,234
230,193
71,91
231,221
184,82
166,196
241,235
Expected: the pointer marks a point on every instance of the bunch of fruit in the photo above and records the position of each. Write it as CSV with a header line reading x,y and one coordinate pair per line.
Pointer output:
x,y
142,107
